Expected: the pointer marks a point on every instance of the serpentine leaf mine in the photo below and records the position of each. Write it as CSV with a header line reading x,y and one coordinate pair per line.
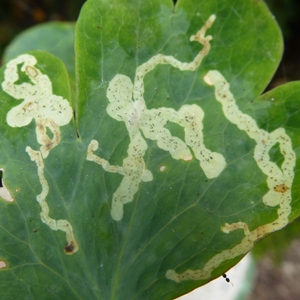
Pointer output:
x,y
279,180
49,111
127,104
39,102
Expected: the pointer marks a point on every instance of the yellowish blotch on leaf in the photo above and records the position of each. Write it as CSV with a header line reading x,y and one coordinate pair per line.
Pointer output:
x,y
2,264
162,168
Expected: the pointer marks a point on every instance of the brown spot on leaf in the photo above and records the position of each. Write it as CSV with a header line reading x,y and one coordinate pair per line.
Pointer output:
x,y
281,188
28,106
71,248
31,71
49,146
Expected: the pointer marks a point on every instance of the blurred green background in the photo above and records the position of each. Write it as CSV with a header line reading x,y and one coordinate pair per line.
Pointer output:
x,y
18,15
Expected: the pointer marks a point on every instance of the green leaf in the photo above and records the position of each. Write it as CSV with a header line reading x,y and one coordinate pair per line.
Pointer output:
x,y
164,170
